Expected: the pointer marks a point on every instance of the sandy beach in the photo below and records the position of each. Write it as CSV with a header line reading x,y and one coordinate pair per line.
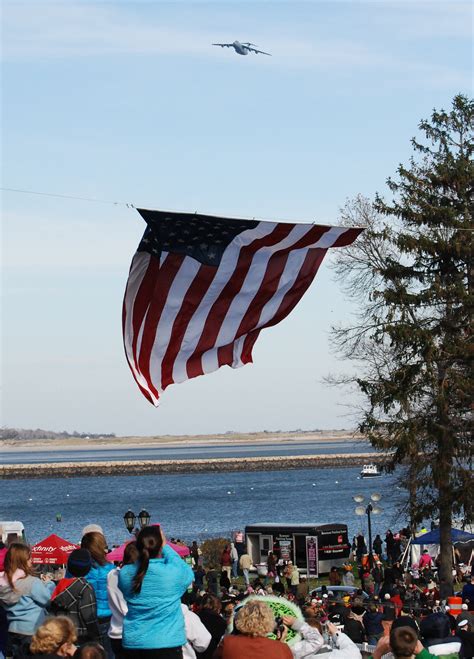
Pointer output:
x,y
114,443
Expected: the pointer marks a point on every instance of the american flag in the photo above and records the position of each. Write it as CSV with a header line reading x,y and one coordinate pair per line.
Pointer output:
x,y
201,288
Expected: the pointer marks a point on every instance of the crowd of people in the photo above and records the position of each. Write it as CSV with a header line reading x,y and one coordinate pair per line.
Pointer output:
x,y
155,605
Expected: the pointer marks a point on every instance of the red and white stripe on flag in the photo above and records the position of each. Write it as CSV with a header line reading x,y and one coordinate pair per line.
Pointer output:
x,y
183,318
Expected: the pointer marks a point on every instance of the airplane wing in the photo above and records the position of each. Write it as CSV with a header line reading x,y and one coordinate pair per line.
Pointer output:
x,y
224,45
254,50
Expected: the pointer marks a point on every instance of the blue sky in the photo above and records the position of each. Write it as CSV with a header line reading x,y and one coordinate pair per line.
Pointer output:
x,y
128,101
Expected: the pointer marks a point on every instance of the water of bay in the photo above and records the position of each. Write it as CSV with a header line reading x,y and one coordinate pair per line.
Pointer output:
x,y
183,452
195,506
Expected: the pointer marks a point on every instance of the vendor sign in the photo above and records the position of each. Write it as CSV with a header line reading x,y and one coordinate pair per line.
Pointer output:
x,y
312,565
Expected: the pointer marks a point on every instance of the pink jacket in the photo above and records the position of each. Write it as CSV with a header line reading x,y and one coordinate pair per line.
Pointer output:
x,y
3,553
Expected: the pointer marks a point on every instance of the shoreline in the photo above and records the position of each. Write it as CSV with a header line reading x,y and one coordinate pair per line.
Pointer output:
x,y
150,467
170,441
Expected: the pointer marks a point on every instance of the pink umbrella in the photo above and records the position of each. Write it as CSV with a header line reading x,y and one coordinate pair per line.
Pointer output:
x,y
116,555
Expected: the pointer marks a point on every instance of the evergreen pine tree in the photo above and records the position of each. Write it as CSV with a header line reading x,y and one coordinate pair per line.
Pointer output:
x,y
412,275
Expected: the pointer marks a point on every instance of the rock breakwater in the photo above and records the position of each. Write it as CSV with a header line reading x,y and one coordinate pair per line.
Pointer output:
x,y
143,467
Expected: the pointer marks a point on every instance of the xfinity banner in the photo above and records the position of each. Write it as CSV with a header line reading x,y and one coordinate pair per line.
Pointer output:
x,y
312,565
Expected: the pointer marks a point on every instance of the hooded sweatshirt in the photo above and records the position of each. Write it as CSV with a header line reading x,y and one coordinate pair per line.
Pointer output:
x,y
24,603
75,598
436,632
448,648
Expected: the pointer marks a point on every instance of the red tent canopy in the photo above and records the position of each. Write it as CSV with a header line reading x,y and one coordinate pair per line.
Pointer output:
x,y
53,550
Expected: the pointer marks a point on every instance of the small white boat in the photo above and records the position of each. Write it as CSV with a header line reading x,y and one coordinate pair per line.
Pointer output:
x,y
370,471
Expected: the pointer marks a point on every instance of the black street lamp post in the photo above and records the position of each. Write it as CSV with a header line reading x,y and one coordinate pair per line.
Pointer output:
x,y
144,518
368,510
129,519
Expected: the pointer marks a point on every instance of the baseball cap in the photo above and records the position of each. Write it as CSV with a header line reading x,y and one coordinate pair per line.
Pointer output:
x,y
463,623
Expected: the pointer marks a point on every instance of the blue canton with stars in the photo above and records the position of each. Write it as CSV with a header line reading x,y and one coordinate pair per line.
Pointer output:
x,y
201,237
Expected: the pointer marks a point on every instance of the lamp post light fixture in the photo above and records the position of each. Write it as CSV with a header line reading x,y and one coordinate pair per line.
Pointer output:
x,y
368,510
144,518
129,519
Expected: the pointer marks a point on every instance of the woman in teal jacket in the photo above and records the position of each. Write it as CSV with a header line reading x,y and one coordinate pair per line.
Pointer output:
x,y
96,544
153,587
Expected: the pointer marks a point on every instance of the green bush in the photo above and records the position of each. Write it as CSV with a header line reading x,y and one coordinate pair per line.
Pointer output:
x,y
211,552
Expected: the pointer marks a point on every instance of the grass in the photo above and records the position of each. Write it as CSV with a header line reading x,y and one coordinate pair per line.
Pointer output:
x,y
313,582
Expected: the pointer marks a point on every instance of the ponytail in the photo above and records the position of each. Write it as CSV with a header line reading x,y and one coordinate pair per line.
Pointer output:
x,y
149,543
143,562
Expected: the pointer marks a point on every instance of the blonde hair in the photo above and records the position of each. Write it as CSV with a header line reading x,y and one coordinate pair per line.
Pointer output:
x,y
53,633
255,619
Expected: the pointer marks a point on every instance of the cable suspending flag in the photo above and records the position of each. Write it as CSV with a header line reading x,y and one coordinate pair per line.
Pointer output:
x,y
201,288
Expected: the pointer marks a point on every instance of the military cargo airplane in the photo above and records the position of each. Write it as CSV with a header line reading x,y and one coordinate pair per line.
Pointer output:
x,y
242,48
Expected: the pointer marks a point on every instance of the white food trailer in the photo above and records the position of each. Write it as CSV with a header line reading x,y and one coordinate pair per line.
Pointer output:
x,y
289,542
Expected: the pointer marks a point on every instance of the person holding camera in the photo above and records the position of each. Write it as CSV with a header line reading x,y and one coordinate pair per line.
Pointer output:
x,y
312,632
310,629
254,621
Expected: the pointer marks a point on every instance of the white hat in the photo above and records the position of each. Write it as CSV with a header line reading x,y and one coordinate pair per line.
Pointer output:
x,y
92,527
325,595
387,596
463,623
464,606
